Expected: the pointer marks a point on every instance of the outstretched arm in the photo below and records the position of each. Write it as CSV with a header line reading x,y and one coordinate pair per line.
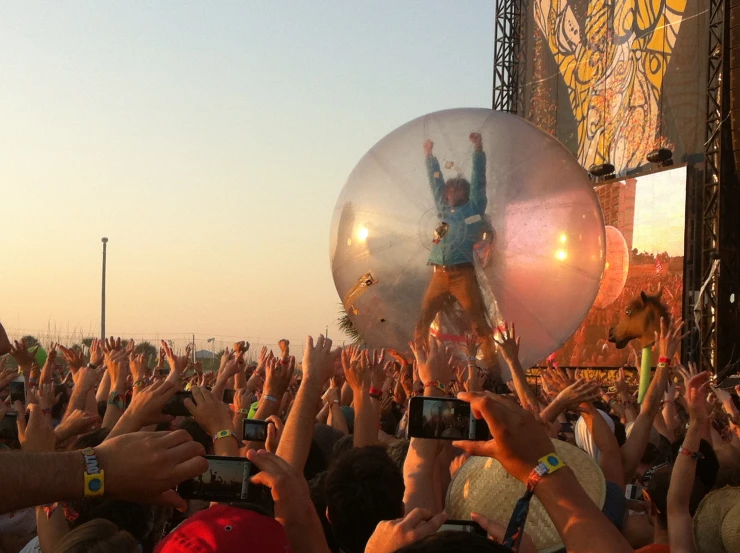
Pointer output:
x,y
478,175
436,182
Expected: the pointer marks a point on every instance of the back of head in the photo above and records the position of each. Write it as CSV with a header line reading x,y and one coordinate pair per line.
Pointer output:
x,y
657,489
459,542
135,518
363,487
97,536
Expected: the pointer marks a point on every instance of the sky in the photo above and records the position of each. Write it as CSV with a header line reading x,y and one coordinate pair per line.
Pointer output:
x,y
209,142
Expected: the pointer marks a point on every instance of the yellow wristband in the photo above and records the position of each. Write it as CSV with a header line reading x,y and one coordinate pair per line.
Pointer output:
x,y
552,461
94,475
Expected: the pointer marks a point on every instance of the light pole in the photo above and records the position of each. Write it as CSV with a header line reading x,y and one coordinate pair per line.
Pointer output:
x,y
102,303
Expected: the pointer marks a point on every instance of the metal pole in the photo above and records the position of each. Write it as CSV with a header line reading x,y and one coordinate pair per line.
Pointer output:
x,y
102,303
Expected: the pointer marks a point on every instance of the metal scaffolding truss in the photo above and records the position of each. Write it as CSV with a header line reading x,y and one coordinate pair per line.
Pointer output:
x,y
508,55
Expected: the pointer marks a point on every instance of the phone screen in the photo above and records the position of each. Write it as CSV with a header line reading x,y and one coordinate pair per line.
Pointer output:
x,y
463,526
229,396
254,430
18,390
9,427
444,419
225,481
176,405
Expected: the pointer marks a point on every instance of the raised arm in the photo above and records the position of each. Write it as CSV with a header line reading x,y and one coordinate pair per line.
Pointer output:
x,y
434,173
508,343
478,175
295,442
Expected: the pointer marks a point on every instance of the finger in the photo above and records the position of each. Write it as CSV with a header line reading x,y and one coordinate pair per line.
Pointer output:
x,y
172,499
493,529
416,516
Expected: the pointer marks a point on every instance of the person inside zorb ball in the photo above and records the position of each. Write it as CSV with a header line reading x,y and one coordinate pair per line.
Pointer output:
x,y
462,220
463,224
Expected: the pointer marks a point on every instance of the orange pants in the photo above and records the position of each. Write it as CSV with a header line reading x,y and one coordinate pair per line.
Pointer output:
x,y
460,282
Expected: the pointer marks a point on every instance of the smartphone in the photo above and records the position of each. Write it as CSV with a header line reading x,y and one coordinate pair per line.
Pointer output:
x,y
163,372
229,396
176,405
225,481
439,418
9,427
730,382
463,526
18,390
633,492
254,430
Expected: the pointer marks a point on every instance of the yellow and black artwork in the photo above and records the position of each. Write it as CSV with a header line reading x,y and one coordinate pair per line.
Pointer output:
x,y
613,59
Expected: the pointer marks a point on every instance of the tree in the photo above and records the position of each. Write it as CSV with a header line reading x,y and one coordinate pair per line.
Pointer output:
x,y
348,328
30,340
147,348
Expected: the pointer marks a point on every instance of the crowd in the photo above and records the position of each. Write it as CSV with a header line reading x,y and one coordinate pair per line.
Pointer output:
x,y
93,462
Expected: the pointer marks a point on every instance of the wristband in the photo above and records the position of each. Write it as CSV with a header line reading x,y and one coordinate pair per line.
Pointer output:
x,y
270,398
225,434
46,411
243,411
50,509
116,400
664,360
32,381
547,465
94,477
375,392
333,401
436,384
91,366
139,383
695,455
471,358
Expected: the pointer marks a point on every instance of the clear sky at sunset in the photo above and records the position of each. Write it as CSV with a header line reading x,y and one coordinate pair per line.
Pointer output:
x,y
208,142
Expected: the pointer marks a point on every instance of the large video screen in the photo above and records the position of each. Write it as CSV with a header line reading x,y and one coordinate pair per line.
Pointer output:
x,y
645,221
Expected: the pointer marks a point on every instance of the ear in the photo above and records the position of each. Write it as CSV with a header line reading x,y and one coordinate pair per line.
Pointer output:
x,y
658,295
644,298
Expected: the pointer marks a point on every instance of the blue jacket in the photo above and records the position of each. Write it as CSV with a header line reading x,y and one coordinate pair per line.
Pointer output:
x,y
466,222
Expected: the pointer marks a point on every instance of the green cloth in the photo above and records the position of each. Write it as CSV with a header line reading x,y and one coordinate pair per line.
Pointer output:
x,y
253,410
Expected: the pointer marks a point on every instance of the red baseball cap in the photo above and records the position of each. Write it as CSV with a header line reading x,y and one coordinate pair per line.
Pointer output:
x,y
223,528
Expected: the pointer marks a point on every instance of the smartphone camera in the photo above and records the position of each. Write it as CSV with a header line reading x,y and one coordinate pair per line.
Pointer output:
x,y
225,481
444,419
9,427
463,526
254,430
176,405
18,390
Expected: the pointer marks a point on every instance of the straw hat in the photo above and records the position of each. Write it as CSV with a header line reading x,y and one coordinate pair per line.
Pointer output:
x,y
483,486
717,522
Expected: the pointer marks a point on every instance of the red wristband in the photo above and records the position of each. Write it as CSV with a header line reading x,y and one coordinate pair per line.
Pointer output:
x,y
665,360
693,454
375,392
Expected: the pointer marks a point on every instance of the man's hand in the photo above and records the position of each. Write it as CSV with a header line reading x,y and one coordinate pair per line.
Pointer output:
x,y
670,338
241,347
146,466
138,366
75,423
508,342
178,363
581,391
357,371
23,355
476,140
75,359
277,376
317,367
433,362
147,405
284,346
696,397
37,434
519,441
391,535
97,352
44,396
212,415
274,433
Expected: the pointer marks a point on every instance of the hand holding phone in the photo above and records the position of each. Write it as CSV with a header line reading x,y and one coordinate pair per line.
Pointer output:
x,y
225,481
441,418
176,405
18,390
254,430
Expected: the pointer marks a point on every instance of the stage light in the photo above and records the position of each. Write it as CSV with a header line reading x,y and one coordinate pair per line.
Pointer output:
x,y
603,171
662,156
561,255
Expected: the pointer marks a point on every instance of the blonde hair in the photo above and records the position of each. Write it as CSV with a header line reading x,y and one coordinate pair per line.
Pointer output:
x,y
97,536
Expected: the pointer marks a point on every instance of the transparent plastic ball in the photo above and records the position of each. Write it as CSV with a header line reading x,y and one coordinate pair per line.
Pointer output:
x,y
616,268
462,211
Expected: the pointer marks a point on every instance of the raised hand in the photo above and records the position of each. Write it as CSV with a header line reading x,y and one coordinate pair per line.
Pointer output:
x,y
44,396
241,347
97,352
428,147
178,364
697,389
317,365
212,415
147,404
581,391
476,140
37,434
432,362
670,338
23,355
284,346
75,423
274,433
357,371
138,366
75,359
278,375
508,342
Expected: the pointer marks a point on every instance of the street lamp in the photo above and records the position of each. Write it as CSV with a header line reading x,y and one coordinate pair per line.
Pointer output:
x,y
102,303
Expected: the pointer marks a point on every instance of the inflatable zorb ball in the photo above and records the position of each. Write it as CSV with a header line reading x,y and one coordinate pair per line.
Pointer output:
x,y
463,208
